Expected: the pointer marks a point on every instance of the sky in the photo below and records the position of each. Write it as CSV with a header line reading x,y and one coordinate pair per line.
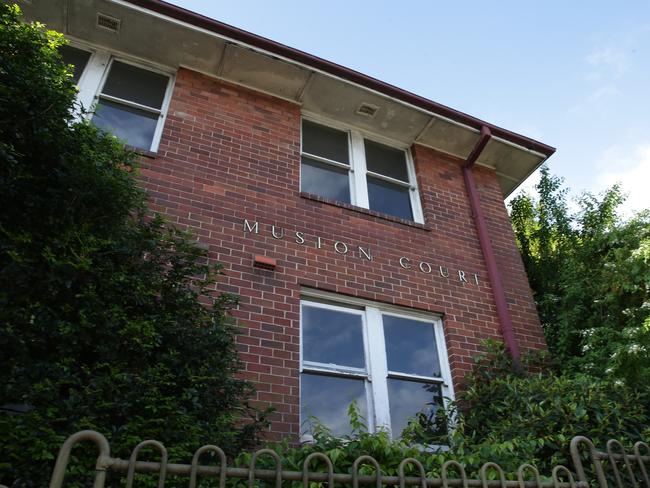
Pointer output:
x,y
572,74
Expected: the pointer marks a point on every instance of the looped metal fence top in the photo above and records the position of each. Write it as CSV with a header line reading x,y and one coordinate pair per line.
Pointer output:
x,y
592,468
521,474
418,464
222,464
459,467
306,473
134,457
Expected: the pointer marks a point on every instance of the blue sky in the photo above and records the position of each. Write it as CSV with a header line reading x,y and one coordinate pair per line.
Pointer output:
x,y
575,75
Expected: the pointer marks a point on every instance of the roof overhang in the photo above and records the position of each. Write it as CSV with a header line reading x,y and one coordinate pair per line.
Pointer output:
x,y
168,35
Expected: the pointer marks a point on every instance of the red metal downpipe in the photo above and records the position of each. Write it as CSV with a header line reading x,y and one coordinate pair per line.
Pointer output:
x,y
494,274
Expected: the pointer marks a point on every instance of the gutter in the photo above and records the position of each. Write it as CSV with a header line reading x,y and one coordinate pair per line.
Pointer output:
x,y
494,274
347,74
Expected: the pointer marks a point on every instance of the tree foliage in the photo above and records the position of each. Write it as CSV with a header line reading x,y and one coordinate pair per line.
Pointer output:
x,y
533,412
106,315
505,414
590,274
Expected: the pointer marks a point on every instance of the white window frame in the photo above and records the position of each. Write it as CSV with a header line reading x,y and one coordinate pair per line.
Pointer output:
x,y
376,373
92,80
357,170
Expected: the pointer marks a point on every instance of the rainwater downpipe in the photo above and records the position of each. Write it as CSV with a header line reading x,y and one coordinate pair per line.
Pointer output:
x,y
494,274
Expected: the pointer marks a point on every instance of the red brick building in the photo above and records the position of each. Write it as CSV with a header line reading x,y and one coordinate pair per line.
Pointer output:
x,y
362,226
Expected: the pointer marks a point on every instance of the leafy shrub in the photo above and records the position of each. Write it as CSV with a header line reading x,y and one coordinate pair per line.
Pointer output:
x,y
505,414
534,412
107,316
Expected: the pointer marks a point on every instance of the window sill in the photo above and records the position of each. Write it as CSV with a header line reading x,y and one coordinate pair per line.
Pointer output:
x,y
366,211
142,152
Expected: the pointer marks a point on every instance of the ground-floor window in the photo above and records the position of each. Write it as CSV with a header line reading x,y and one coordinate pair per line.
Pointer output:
x,y
391,362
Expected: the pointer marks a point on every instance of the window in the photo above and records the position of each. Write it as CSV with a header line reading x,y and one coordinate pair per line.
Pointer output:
x,y
129,100
78,58
345,166
392,364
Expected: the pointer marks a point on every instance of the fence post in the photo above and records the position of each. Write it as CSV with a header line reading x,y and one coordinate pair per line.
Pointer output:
x,y
103,459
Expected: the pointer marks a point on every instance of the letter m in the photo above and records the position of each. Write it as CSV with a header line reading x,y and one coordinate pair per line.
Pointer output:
x,y
251,228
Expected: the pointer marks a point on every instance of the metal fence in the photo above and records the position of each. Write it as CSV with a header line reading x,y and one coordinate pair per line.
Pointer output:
x,y
592,468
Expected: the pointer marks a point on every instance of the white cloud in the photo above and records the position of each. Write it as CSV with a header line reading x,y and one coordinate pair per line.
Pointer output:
x,y
631,168
603,92
606,66
610,60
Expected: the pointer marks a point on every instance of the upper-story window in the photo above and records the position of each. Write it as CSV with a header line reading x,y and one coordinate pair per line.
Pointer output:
x,y
346,166
129,100
392,363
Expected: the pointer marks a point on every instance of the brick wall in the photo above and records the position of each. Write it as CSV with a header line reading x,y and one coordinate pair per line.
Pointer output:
x,y
229,154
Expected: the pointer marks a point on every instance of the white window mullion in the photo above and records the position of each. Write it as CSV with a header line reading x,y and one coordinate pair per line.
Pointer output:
x,y
359,170
378,368
164,109
445,370
91,78
416,204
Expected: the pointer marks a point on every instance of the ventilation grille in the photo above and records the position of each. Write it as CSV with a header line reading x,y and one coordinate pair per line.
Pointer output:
x,y
108,23
367,110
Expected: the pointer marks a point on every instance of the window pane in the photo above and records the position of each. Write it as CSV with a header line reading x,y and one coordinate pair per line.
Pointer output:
x,y
407,398
385,160
134,126
325,180
327,398
389,198
136,85
77,58
332,337
325,142
411,346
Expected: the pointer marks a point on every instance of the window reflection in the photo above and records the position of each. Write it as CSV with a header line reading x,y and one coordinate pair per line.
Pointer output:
x,y
408,398
411,346
327,398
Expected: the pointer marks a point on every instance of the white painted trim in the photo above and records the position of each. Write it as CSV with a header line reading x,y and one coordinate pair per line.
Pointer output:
x,y
333,369
93,79
377,397
315,294
415,377
321,159
378,368
416,202
164,110
129,103
337,370
358,169
83,47
359,162
390,179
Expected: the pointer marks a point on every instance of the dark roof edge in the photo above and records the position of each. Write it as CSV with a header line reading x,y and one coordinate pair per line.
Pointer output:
x,y
348,74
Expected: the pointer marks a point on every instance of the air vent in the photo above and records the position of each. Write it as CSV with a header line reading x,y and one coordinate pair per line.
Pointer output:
x,y
108,23
367,110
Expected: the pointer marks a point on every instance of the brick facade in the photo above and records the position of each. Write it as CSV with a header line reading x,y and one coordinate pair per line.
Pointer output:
x,y
229,153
